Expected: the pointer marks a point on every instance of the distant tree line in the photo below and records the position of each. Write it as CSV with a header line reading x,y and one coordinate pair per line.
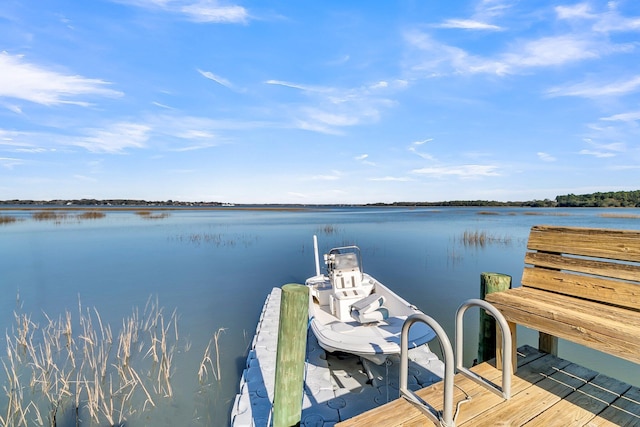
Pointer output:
x,y
546,203
611,199
593,200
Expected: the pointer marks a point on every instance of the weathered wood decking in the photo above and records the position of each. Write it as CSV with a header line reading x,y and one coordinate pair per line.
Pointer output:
x,y
546,391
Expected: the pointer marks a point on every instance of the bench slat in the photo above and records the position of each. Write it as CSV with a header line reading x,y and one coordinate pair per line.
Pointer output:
x,y
630,272
621,245
593,288
605,328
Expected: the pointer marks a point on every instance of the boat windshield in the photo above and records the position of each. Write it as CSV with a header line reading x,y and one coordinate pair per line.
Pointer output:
x,y
347,258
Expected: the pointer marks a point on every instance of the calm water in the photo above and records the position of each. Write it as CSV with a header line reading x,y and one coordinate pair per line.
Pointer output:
x,y
214,268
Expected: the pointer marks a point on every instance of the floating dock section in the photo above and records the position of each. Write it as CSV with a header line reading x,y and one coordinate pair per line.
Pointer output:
x,y
336,387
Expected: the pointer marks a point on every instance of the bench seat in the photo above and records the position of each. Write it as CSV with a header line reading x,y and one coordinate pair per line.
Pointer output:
x,y
579,284
606,328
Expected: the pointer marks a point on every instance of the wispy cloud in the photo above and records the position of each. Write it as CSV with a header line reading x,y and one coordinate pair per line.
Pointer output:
x,y
10,162
593,89
392,179
302,87
30,82
603,150
115,139
204,11
576,11
334,176
468,24
414,149
485,12
631,116
220,80
462,171
546,157
363,159
330,109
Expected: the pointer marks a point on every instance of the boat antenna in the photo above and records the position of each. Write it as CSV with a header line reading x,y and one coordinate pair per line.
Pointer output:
x,y
315,252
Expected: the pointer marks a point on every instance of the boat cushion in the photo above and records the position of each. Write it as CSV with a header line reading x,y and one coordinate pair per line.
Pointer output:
x,y
372,316
368,304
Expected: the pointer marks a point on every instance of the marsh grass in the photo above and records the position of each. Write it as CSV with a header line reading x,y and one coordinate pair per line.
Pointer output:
x,y
6,219
91,215
328,230
50,216
67,366
482,238
216,239
619,215
150,215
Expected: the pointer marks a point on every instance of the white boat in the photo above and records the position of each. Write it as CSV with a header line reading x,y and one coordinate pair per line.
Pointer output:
x,y
352,312
352,361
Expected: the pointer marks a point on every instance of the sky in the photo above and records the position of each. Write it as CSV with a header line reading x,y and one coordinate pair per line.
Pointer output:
x,y
318,101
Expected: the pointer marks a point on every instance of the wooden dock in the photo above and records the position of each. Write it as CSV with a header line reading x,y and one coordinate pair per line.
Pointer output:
x,y
546,391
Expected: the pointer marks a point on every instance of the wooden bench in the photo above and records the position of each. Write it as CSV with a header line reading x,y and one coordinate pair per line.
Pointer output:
x,y
579,284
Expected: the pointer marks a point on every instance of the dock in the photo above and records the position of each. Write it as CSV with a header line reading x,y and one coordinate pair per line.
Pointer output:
x,y
546,391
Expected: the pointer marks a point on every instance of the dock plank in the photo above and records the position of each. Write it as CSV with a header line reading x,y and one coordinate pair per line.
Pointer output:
x,y
582,405
546,391
624,411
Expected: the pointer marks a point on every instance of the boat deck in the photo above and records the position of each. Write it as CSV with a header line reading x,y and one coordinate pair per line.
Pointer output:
x,y
546,391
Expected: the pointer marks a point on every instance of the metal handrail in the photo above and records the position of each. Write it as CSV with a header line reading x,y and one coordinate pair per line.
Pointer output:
x,y
505,390
444,418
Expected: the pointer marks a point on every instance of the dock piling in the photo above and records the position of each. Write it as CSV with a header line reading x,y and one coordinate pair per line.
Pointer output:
x,y
489,283
290,356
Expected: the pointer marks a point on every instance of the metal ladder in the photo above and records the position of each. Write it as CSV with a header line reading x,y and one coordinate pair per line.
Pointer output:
x,y
446,417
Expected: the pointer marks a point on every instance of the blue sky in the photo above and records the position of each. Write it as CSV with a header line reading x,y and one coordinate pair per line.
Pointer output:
x,y
318,101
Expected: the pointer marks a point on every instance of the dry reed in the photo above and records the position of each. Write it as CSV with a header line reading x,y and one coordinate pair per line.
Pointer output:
x,y
91,215
482,238
6,219
69,371
149,215
619,215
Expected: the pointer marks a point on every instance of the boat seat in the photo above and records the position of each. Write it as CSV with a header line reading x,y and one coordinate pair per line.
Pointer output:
x,y
369,309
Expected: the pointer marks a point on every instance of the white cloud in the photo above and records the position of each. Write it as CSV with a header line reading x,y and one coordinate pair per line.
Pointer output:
x,y
115,139
329,109
599,154
546,157
603,150
23,80
468,24
392,179
335,176
414,149
363,159
205,11
576,11
462,171
220,80
624,117
595,89
210,12
10,162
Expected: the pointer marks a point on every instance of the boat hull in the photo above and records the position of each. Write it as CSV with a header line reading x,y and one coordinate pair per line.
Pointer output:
x,y
374,341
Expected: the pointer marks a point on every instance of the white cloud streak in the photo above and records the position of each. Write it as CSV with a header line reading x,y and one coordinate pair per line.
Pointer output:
x,y
593,89
201,11
115,139
468,24
220,80
20,79
462,171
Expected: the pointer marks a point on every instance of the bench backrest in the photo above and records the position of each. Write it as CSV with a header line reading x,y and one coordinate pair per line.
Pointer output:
x,y
590,263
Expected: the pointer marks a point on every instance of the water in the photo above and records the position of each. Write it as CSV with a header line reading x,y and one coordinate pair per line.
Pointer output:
x,y
215,268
